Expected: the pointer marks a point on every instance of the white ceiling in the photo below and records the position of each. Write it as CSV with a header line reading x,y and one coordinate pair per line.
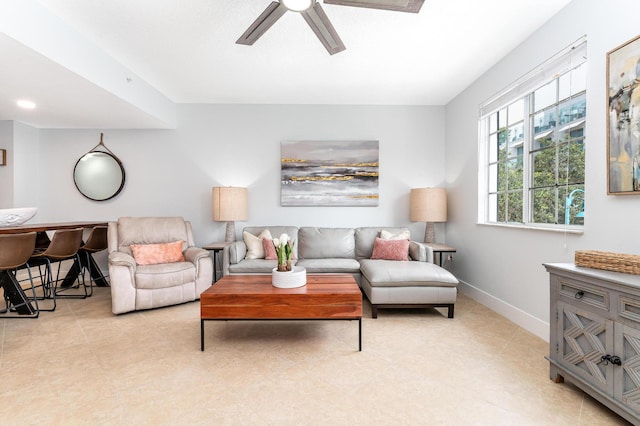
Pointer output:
x,y
180,51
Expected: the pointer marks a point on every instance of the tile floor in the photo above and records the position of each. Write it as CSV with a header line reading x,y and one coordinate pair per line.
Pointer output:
x,y
83,365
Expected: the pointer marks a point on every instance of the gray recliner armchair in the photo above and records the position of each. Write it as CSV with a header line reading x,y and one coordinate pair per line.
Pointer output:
x,y
136,286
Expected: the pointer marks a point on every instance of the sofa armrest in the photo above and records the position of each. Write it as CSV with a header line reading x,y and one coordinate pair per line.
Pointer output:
x,y
232,254
237,251
420,252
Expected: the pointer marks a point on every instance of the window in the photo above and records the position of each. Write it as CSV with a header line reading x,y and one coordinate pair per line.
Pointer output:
x,y
532,146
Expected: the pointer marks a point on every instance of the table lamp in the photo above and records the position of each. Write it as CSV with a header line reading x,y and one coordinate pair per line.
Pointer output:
x,y
429,205
230,204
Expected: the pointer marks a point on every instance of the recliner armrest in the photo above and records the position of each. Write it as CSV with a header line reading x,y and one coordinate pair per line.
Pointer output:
x,y
420,252
119,258
193,254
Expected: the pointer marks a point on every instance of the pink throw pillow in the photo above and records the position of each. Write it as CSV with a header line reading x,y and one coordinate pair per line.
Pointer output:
x,y
390,249
153,254
269,249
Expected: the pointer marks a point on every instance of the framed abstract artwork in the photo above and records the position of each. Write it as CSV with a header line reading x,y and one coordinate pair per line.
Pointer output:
x,y
329,173
623,118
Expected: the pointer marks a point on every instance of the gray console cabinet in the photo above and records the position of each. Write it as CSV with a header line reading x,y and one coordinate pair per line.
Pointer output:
x,y
595,334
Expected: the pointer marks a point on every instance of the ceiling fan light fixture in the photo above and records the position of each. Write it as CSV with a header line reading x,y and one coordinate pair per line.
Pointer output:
x,y
297,5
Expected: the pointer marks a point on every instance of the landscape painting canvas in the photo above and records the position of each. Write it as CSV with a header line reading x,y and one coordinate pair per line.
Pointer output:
x,y
329,173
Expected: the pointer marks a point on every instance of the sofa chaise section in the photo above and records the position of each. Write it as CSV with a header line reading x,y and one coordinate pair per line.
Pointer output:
x,y
391,284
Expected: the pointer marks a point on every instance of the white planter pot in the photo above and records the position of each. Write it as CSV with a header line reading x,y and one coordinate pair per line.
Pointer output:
x,y
290,279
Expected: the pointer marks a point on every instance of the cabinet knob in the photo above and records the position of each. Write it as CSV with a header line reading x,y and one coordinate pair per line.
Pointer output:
x,y
579,295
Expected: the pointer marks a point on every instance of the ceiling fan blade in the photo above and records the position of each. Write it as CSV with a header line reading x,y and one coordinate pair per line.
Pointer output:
x,y
271,14
411,6
320,24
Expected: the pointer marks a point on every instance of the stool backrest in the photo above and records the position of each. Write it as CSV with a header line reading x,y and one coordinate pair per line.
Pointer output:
x,y
16,249
97,240
64,244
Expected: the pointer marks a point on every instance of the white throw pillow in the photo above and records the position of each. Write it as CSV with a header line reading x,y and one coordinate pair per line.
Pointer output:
x,y
386,235
255,250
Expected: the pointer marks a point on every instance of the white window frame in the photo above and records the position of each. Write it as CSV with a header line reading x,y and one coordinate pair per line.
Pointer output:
x,y
565,60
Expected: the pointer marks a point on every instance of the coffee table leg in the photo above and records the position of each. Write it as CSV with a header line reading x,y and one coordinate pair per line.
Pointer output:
x,y
359,334
202,335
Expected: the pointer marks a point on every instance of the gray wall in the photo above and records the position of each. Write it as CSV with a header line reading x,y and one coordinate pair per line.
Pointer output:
x,y
171,172
503,267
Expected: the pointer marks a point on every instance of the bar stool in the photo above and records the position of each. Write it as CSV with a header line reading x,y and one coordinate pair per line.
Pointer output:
x,y
15,250
97,241
64,246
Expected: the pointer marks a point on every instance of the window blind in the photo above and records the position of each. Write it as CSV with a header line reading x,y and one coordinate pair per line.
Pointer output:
x,y
563,61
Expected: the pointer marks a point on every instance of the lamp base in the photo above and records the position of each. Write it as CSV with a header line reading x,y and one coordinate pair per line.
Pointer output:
x,y
230,236
430,233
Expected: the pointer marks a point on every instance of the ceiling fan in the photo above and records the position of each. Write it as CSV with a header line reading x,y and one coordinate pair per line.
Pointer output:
x,y
313,13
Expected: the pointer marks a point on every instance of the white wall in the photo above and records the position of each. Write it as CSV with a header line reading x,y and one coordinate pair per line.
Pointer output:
x,y
503,267
171,172
26,171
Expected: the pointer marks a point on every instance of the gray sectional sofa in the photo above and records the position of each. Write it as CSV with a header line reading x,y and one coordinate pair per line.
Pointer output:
x,y
417,282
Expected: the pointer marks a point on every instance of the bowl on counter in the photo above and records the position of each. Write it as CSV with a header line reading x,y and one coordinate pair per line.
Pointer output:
x,y
16,216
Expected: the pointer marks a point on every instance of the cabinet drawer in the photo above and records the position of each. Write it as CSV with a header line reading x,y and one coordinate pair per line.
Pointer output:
x,y
582,293
629,308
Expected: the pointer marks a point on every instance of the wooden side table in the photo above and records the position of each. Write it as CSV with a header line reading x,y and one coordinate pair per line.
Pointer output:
x,y
216,248
440,249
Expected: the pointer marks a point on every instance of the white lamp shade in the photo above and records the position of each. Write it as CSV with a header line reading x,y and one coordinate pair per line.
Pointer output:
x,y
230,203
428,205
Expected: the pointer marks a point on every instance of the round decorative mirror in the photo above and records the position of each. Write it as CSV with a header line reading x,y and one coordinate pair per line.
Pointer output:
x,y
99,175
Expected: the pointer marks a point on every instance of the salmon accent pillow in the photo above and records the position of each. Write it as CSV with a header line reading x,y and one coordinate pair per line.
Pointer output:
x,y
269,249
390,249
153,254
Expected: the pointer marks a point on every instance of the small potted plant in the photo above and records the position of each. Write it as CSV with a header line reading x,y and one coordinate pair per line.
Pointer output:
x,y
284,252
285,275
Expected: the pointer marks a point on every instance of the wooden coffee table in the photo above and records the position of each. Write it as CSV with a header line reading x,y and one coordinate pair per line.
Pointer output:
x,y
252,297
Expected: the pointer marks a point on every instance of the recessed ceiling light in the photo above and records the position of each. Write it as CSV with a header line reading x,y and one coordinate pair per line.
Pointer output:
x,y
297,5
23,103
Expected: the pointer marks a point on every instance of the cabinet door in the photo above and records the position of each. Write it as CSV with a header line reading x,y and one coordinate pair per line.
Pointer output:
x,y
627,377
583,338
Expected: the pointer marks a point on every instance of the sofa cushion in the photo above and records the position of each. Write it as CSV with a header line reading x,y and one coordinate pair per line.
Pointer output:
x,y
165,275
253,266
366,236
323,243
151,230
390,273
386,235
276,231
254,245
333,265
390,249
269,249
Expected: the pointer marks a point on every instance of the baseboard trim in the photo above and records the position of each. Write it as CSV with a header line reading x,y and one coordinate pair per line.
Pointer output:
x,y
516,315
